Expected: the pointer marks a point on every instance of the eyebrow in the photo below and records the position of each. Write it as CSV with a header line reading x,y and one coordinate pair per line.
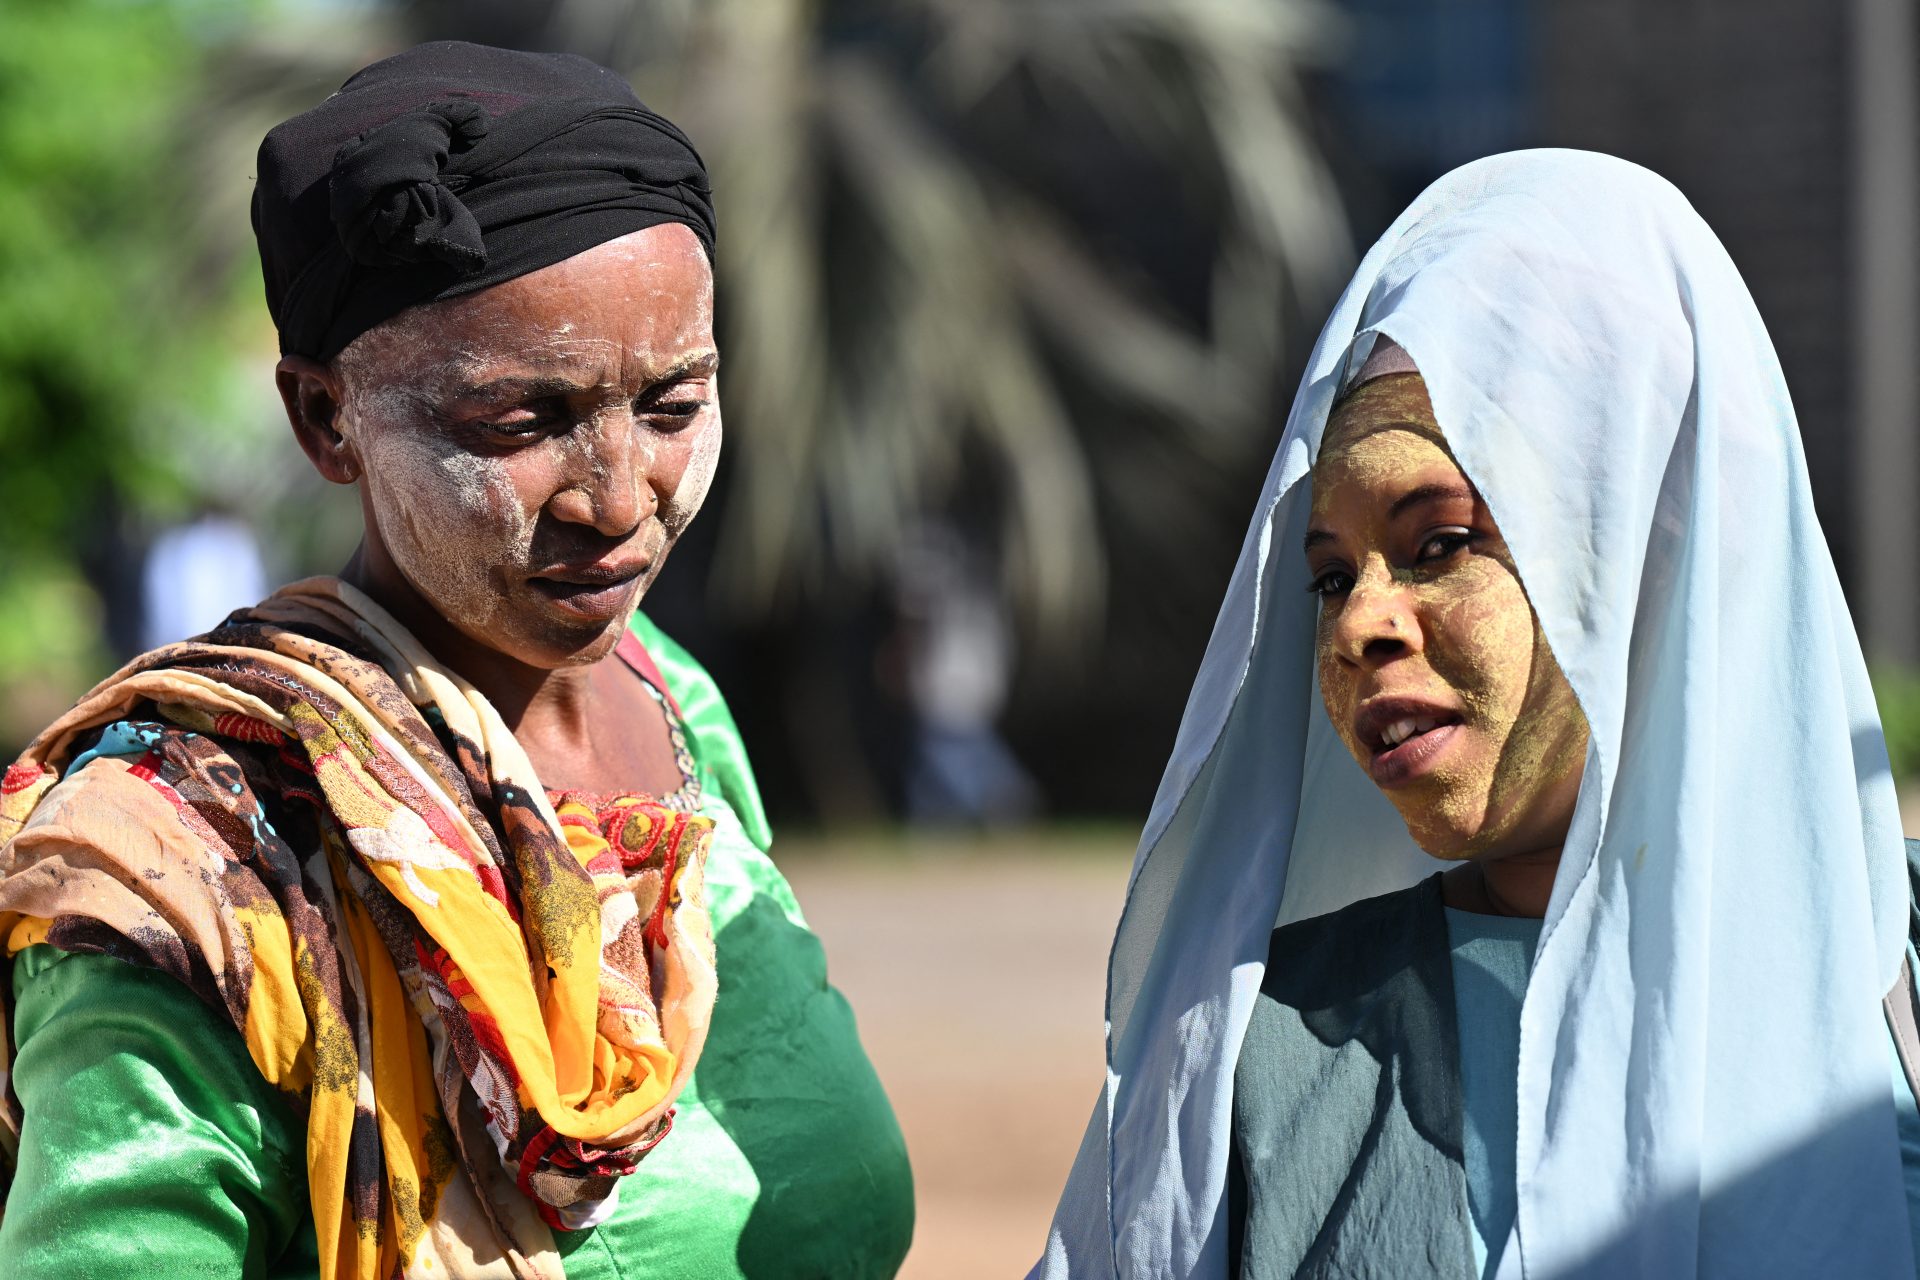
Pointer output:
x,y
516,387
693,362
540,387
1431,493
1411,498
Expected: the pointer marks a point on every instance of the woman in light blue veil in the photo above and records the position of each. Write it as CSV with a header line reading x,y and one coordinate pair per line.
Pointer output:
x,y
1699,1082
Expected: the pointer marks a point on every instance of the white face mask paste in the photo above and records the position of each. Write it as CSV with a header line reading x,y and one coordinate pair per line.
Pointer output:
x,y
459,524
702,461
450,519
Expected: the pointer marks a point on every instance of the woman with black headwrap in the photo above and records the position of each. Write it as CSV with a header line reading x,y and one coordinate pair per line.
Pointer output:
x,y
418,921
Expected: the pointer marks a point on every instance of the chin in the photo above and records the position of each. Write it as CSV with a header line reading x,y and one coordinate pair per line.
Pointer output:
x,y
541,644
600,647
587,649
1445,838
1446,850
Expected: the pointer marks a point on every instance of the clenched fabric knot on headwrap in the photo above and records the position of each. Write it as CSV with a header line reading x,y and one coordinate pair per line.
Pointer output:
x,y
451,168
391,197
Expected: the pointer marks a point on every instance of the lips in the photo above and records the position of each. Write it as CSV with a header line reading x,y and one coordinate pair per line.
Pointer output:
x,y
596,591
1404,735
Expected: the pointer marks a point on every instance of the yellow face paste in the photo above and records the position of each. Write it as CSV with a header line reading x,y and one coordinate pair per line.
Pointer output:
x,y
1424,602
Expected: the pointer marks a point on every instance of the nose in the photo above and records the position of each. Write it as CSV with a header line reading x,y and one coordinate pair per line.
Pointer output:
x,y
609,484
1377,623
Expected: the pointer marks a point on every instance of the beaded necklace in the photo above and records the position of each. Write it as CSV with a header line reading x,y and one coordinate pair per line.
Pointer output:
x,y
687,798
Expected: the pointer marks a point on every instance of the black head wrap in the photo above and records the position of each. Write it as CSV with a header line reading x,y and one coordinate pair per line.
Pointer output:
x,y
452,167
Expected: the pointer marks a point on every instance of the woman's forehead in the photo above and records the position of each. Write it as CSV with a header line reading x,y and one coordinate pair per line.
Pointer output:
x,y
1376,468
1396,402
1383,439
659,276
643,299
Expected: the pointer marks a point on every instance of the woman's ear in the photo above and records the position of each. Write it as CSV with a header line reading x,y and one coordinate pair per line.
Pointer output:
x,y
312,394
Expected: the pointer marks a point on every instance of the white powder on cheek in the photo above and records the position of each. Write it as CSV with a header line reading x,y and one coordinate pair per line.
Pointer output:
x,y
450,519
691,493
644,459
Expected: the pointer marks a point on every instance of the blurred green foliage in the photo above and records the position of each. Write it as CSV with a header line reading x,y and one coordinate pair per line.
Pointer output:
x,y
1897,691
102,327
84,94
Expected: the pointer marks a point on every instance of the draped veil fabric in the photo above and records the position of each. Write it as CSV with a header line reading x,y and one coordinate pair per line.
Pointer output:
x,y
1702,1086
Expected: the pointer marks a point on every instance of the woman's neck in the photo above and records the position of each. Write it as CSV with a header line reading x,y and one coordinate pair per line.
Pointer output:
x,y
545,702
1518,884
589,728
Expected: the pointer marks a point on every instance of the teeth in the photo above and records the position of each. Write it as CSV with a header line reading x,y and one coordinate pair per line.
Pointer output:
x,y
1400,730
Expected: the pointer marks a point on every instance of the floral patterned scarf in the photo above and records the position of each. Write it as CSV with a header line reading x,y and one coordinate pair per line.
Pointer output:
x,y
339,845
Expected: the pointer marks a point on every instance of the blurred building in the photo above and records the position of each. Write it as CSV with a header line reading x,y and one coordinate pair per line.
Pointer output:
x,y
1792,127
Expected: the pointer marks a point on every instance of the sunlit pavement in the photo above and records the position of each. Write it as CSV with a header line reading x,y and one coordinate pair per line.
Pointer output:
x,y
976,969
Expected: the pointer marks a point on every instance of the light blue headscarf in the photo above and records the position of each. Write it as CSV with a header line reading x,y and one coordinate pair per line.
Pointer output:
x,y
1703,1084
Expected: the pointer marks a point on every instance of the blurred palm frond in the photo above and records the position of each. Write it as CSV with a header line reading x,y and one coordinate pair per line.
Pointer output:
x,y
903,295
263,73
925,304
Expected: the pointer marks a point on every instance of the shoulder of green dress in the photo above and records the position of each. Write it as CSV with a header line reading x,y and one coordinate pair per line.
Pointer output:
x,y
715,738
143,1109
31,962
82,1009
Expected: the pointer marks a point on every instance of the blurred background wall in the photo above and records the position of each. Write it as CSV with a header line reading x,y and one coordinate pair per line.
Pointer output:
x,y
1013,296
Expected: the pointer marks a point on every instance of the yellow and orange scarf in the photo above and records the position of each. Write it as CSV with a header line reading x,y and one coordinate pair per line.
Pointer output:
x,y
339,845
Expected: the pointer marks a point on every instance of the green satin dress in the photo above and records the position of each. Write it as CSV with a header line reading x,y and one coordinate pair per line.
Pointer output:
x,y
153,1147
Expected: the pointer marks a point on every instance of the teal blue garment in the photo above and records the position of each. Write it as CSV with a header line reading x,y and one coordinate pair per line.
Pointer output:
x,y
1492,956
1374,1096
1346,1109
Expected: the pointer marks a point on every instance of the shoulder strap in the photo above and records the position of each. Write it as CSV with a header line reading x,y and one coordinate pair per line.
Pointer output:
x,y
635,655
1899,1005
1902,1004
